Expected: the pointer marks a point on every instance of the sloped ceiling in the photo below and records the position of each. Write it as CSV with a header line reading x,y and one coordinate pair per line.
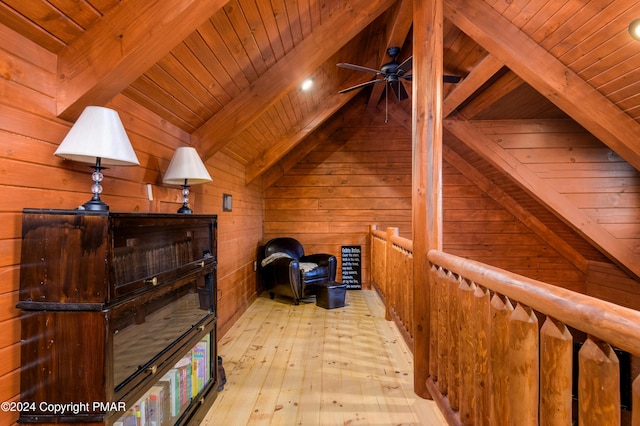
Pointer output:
x,y
229,72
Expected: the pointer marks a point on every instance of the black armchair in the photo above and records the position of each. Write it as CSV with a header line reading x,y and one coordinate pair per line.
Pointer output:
x,y
288,272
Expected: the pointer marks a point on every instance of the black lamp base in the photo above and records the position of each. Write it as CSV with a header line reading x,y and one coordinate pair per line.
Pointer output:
x,y
96,205
185,209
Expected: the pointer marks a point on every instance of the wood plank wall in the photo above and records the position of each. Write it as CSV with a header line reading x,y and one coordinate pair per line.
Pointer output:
x,y
31,176
359,176
479,228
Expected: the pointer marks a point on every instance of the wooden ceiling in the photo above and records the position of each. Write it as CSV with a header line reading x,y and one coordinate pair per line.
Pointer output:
x,y
229,72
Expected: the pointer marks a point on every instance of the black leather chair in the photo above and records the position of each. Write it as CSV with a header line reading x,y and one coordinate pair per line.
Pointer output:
x,y
288,272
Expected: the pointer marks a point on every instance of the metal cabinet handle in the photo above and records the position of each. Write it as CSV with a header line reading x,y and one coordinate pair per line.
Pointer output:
x,y
153,281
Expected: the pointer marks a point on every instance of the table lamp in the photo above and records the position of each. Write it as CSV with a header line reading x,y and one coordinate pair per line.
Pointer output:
x,y
98,136
186,168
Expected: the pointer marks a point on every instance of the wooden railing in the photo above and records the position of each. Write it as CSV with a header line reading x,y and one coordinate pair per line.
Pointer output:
x,y
502,345
392,277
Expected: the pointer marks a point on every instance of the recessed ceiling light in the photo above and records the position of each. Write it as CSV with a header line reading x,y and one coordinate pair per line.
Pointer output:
x,y
634,29
306,85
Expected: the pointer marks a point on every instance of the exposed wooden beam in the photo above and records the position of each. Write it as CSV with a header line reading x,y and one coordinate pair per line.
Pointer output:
x,y
307,56
312,121
121,46
547,75
615,249
512,206
397,34
476,78
427,173
499,89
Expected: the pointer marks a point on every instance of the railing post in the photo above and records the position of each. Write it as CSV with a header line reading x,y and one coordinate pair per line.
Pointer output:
x,y
390,294
372,259
454,337
523,379
501,310
481,321
442,329
467,353
598,384
556,356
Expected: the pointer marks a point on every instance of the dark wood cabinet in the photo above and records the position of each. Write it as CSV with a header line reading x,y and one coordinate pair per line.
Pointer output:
x,y
118,317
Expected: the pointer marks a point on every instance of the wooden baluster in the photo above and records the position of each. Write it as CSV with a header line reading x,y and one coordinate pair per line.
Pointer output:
x,y
482,317
556,359
523,377
443,330
598,384
635,402
467,353
409,293
453,360
433,343
389,272
501,310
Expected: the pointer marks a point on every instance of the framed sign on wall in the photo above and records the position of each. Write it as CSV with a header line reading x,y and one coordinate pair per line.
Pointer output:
x,y
352,267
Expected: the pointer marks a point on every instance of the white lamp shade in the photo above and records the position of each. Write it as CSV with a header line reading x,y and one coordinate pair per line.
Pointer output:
x,y
186,164
98,132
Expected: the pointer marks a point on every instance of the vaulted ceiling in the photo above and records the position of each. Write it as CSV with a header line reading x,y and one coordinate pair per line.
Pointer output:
x,y
229,72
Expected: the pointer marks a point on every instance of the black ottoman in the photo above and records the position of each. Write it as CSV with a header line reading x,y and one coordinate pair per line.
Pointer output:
x,y
331,295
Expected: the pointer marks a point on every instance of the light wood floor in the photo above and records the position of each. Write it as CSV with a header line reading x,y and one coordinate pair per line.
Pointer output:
x,y
304,365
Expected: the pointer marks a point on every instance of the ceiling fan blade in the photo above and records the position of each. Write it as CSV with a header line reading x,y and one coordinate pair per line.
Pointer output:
x,y
406,65
358,86
399,90
358,68
407,77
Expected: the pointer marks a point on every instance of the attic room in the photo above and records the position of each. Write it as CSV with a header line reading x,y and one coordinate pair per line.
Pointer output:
x,y
498,158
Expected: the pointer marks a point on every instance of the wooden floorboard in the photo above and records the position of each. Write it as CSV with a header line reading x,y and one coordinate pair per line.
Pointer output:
x,y
305,365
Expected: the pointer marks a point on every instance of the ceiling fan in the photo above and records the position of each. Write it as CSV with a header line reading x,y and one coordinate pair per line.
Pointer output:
x,y
391,73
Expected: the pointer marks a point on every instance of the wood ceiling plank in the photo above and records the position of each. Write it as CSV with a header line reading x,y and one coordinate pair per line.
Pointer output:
x,y
49,18
548,76
191,84
304,11
295,134
617,250
559,37
280,15
295,24
286,74
233,27
606,26
175,89
116,50
259,31
198,43
28,29
271,26
190,62
80,12
301,150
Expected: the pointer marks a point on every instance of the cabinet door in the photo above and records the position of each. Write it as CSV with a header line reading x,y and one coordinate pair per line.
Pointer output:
x,y
176,395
